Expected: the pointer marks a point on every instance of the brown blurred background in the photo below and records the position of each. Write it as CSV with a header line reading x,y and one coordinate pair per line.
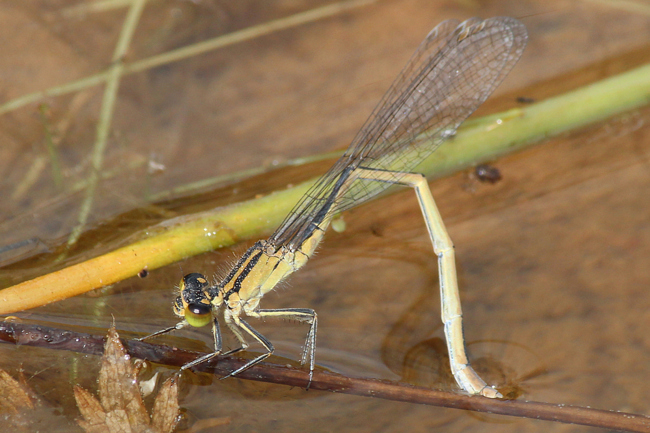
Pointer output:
x,y
553,259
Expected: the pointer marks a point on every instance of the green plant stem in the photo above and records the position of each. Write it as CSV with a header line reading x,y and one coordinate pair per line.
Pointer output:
x,y
478,141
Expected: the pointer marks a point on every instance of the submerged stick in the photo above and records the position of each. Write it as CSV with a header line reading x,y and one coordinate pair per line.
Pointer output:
x,y
53,338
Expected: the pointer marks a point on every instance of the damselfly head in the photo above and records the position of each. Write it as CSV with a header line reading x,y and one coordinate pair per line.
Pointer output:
x,y
195,300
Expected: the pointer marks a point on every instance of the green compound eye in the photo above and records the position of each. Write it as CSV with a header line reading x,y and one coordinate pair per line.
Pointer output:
x,y
198,315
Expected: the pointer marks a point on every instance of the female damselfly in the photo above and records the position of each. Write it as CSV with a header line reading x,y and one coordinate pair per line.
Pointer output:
x,y
454,70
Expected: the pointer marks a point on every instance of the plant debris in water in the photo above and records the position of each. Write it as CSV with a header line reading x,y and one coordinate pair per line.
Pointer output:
x,y
120,408
16,405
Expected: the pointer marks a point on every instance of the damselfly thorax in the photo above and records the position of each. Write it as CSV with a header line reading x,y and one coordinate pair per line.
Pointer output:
x,y
453,71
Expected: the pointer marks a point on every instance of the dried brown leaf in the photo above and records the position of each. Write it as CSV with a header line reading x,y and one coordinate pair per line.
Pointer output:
x,y
16,404
165,407
90,408
120,408
118,387
15,397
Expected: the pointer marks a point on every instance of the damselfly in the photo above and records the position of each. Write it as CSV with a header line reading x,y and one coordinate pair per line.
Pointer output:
x,y
453,71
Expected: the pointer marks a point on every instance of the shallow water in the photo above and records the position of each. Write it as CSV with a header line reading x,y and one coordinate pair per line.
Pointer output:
x,y
552,260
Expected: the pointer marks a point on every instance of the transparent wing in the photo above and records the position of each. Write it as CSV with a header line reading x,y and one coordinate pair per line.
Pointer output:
x,y
453,71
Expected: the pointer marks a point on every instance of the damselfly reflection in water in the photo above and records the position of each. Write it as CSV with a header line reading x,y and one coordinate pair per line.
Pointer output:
x,y
453,71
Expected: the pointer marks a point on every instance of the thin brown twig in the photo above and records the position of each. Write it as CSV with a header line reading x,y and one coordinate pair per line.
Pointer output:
x,y
53,338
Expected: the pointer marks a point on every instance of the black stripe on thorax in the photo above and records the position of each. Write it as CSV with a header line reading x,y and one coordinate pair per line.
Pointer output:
x,y
244,273
239,264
